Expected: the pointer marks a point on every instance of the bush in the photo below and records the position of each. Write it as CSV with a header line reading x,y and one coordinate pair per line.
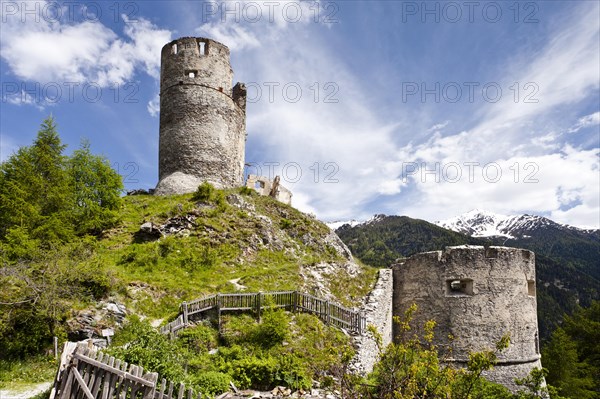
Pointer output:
x,y
274,328
149,348
204,192
285,223
246,191
254,372
212,382
199,339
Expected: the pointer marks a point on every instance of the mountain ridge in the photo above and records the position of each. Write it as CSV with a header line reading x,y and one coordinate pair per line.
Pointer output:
x,y
482,223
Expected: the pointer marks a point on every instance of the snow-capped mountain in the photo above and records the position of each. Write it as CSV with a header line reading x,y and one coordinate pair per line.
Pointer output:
x,y
339,223
481,223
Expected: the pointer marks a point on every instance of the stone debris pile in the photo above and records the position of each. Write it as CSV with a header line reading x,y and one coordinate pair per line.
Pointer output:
x,y
280,392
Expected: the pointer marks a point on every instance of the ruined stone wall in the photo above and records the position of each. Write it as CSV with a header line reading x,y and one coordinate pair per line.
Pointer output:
x,y
378,312
202,118
475,295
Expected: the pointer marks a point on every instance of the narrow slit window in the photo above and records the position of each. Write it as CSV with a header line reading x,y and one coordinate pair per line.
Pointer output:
x,y
530,287
459,287
174,49
191,73
202,48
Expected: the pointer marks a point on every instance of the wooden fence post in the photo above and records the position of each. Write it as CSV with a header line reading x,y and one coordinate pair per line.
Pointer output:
x,y
185,312
219,312
258,304
295,301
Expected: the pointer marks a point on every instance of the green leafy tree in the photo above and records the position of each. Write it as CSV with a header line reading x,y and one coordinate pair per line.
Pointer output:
x,y
96,187
49,197
572,356
34,190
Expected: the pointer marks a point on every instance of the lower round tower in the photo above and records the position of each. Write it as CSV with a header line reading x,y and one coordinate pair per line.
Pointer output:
x,y
476,295
202,118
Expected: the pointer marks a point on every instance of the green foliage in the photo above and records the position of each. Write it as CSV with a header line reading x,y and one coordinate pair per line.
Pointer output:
x,y
572,356
274,328
212,382
246,191
285,223
148,348
33,370
51,197
205,192
37,297
412,367
96,187
200,338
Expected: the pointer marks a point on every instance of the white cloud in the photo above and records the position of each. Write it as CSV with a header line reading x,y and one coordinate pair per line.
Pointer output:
x,y
438,126
583,122
543,184
24,98
154,106
352,134
84,52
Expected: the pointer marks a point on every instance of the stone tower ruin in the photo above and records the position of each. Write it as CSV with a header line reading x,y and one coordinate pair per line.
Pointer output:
x,y
202,118
476,295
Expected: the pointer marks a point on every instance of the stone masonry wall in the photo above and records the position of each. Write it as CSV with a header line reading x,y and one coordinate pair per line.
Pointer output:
x,y
378,312
202,118
476,295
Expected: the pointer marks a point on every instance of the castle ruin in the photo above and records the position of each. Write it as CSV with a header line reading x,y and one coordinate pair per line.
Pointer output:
x,y
475,295
202,118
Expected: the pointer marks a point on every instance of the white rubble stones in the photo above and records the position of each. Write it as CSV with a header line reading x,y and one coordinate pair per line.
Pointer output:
x,y
378,312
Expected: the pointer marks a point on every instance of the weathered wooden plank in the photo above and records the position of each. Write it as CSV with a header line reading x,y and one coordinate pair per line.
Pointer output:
x,y
98,376
62,374
181,391
66,392
162,389
108,378
82,384
114,370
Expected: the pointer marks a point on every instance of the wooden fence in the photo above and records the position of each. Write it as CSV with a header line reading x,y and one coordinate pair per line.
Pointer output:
x,y
88,374
294,301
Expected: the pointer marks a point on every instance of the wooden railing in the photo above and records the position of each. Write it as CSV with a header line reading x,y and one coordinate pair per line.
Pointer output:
x,y
88,374
329,312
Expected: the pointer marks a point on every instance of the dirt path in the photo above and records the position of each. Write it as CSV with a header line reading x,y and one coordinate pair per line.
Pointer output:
x,y
25,391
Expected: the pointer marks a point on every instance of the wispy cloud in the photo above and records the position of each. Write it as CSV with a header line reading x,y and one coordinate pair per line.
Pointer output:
x,y
586,121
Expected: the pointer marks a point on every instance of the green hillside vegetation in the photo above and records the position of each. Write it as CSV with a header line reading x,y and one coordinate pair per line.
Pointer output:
x,y
70,244
68,240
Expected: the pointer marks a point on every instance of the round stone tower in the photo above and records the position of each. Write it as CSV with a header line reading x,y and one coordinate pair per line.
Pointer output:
x,y
476,295
202,118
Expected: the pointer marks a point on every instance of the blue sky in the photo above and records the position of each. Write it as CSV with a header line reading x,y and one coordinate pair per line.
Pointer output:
x,y
426,109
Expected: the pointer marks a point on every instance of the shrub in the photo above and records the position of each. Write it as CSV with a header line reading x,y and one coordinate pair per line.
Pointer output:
x,y
204,192
246,191
200,338
285,223
149,348
255,372
274,328
212,382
